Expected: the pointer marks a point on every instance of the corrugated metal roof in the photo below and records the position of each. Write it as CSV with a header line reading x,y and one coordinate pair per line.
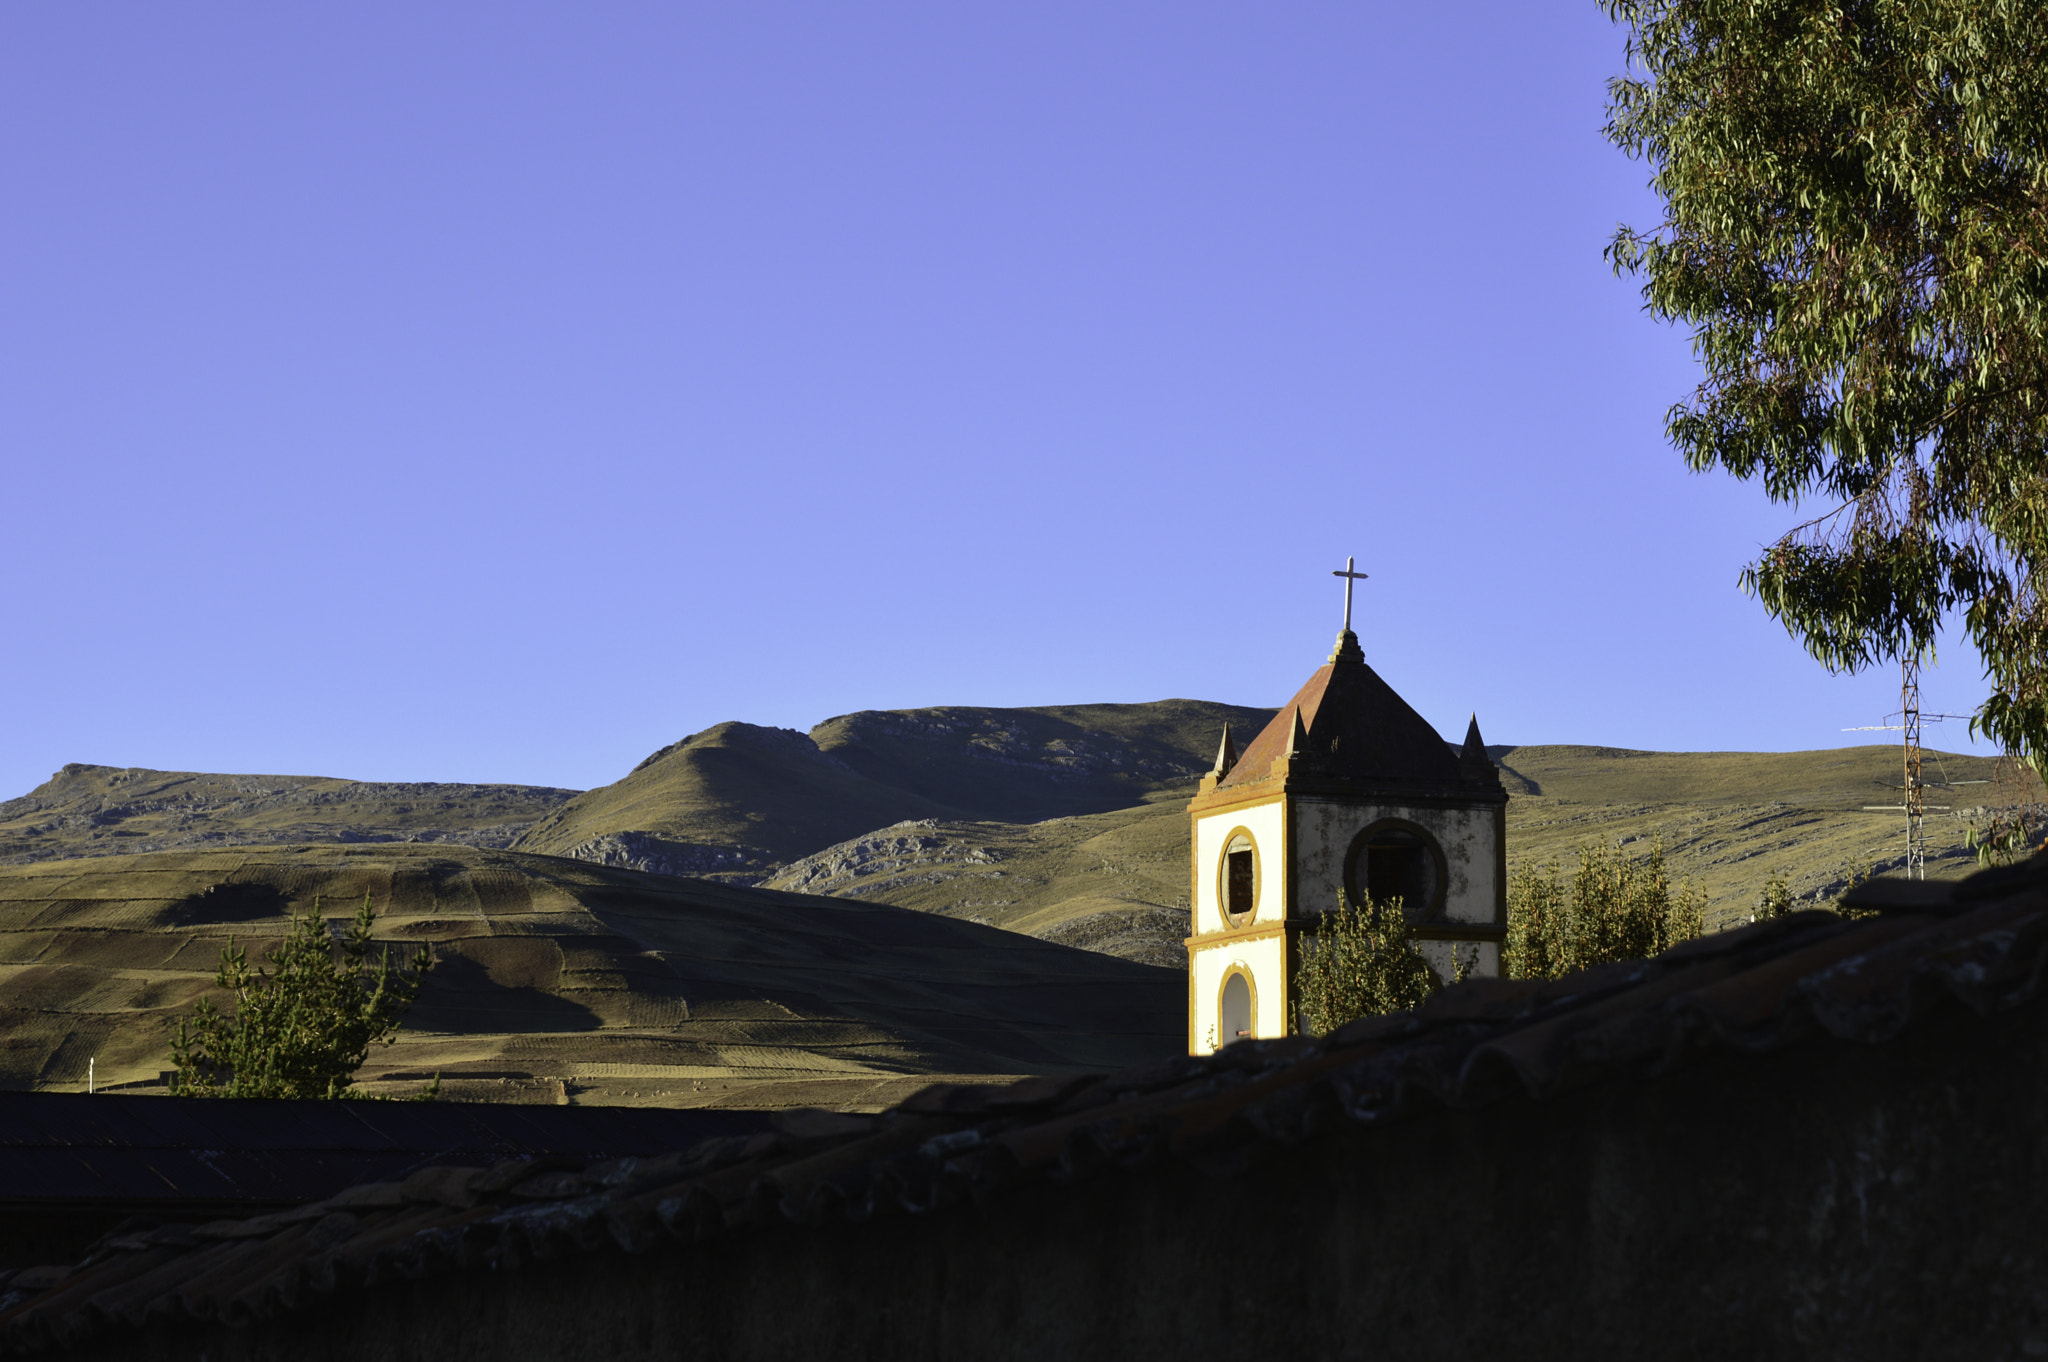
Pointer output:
x,y
1757,989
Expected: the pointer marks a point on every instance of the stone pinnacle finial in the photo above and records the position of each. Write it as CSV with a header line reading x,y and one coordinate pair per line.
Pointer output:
x,y
1297,741
1473,763
1347,649
1226,755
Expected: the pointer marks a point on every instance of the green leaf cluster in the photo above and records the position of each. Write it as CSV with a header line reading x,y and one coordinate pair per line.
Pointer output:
x,y
1856,232
1611,908
2007,836
303,1028
1362,963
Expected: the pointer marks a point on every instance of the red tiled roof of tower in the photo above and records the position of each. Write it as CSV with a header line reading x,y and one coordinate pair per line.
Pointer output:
x,y
1358,729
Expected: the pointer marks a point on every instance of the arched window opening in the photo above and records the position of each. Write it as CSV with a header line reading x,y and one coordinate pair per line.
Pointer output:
x,y
1399,860
1234,1014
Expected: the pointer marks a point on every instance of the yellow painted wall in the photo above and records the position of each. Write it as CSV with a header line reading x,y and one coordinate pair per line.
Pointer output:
x,y
1263,822
1264,959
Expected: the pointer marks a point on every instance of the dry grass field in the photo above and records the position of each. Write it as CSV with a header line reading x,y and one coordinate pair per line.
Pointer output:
x,y
1729,821
563,981
845,914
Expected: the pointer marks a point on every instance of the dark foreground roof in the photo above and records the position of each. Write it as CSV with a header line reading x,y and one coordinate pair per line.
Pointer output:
x,y
1757,989
70,1146
74,1166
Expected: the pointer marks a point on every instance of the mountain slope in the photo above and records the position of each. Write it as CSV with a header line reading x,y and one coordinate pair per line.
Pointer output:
x,y
1063,821
760,796
86,810
561,980
1117,881
1839,778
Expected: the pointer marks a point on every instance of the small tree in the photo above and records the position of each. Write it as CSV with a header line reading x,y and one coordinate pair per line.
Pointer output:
x,y
1613,908
304,1030
1775,901
1362,963
1854,872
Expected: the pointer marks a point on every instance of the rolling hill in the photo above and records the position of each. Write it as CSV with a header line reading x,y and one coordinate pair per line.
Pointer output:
x,y
1117,881
86,810
762,796
763,916
565,981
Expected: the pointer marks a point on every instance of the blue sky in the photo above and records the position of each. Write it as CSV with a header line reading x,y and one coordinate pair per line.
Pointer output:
x,y
499,392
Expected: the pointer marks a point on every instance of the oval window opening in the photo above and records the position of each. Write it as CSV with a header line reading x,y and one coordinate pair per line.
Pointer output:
x,y
1240,878
1235,1022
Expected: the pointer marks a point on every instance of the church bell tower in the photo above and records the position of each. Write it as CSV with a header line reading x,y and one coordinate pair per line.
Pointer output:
x,y
1346,791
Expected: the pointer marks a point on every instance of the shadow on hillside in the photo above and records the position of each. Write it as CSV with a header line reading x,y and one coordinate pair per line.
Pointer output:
x,y
218,903
460,997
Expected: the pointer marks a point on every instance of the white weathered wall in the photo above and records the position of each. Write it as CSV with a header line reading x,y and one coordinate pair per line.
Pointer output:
x,y
1263,822
1265,959
1323,830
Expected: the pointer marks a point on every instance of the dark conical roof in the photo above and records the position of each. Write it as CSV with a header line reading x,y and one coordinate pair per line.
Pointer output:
x,y
1355,728
1473,763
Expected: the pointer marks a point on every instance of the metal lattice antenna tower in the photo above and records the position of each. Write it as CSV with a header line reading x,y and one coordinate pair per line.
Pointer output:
x,y
1916,793
1914,790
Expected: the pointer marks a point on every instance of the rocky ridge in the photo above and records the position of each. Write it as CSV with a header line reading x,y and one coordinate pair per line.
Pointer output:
x,y
729,864
89,810
919,851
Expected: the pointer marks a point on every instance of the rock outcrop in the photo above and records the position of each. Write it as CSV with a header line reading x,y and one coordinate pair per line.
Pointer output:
x,y
731,864
919,851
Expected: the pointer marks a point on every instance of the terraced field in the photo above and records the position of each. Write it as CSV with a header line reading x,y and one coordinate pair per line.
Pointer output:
x,y
563,981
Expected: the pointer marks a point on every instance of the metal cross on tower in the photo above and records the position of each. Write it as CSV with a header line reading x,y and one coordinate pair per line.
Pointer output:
x,y
1349,577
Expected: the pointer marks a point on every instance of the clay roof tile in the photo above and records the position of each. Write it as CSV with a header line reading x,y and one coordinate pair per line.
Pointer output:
x,y
1351,726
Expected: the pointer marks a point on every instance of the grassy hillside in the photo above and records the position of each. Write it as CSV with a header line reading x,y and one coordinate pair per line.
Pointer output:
x,y
1064,822
562,980
1844,778
110,810
770,795
1731,820
1117,881
1114,882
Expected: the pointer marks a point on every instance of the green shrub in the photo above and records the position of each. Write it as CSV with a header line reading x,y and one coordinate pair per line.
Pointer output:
x,y
1775,901
1612,908
1855,872
1362,963
305,1029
